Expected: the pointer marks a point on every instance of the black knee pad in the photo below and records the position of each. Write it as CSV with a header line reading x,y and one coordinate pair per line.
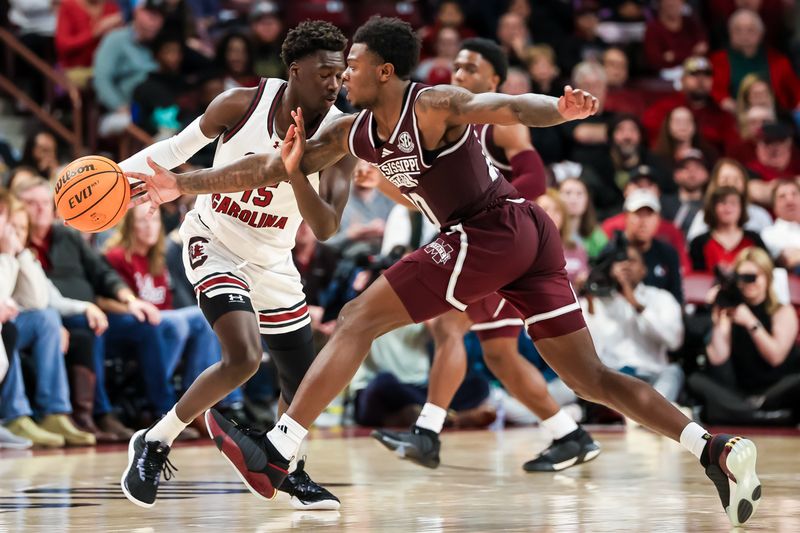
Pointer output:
x,y
293,354
215,307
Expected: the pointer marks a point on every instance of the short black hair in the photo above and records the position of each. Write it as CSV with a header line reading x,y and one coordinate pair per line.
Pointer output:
x,y
393,40
309,37
491,52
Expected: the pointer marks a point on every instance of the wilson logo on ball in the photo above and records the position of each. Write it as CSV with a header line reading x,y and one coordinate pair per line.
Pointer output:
x,y
68,175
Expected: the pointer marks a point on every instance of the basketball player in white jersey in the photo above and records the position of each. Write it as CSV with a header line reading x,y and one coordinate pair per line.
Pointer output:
x,y
237,248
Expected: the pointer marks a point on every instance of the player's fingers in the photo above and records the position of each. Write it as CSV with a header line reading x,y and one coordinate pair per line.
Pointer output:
x,y
290,133
136,176
153,209
595,105
578,97
155,166
138,200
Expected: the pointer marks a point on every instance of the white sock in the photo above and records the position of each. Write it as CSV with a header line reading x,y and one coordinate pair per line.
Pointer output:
x,y
432,417
167,429
693,438
286,436
560,424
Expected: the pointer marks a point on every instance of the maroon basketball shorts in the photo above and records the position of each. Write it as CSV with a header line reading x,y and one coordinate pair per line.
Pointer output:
x,y
512,249
494,318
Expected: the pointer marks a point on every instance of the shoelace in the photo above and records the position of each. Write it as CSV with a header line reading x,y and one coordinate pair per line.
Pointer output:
x,y
153,462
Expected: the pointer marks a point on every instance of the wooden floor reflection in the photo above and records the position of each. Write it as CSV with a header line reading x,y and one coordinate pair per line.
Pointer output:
x,y
639,483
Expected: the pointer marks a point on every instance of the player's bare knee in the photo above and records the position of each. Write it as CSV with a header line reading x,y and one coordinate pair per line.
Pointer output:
x,y
356,317
445,330
241,359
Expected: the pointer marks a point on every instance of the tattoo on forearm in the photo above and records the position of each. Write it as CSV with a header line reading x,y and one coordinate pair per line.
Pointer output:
x,y
537,110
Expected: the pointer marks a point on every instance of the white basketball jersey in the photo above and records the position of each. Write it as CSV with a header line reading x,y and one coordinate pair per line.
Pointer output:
x,y
259,225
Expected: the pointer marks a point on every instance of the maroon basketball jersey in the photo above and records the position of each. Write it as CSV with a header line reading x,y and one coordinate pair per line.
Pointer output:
x,y
494,153
449,184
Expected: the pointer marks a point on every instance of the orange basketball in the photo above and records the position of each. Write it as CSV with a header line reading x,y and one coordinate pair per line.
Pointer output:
x,y
92,194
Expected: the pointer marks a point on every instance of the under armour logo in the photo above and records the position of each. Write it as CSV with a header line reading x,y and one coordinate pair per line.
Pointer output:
x,y
386,152
238,298
276,145
440,251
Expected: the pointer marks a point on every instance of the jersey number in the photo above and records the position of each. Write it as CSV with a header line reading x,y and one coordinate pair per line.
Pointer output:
x,y
262,198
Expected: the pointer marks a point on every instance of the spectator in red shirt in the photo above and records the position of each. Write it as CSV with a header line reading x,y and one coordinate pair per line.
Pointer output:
x,y
679,135
726,216
718,127
673,37
448,15
666,231
747,54
776,158
138,253
439,69
620,97
235,57
79,27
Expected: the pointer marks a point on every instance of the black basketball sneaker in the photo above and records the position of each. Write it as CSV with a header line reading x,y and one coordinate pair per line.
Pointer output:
x,y
572,449
305,493
146,462
730,462
259,465
418,445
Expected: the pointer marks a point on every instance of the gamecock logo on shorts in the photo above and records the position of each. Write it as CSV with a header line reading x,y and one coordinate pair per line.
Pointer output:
x,y
440,251
197,251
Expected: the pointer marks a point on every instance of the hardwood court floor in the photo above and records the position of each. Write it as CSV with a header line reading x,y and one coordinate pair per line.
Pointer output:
x,y
639,483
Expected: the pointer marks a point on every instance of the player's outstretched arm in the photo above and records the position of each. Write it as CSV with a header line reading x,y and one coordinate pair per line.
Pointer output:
x,y
455,106
249,172
222,113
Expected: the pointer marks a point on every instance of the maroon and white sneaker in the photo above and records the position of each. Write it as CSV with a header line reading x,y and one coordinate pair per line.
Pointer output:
x,y
732,468
259,465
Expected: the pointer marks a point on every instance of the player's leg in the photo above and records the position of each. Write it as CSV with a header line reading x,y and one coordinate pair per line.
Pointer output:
x,y
223,296
238,335
293,353
421,444
377,310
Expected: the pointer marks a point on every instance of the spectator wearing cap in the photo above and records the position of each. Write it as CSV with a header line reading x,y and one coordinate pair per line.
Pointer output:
x,y
691,176
782,239
266,34
123,61
584,44
717,126
642,219
620,98
731,173
776,158
748,54
643,180
725,214
79,27
673,36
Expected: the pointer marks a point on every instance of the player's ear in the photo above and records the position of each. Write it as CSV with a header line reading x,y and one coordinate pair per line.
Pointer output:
x,y
293,70
386,71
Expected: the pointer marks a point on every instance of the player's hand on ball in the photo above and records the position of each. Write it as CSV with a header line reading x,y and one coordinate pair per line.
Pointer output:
x,y
159,188
294,144
577,104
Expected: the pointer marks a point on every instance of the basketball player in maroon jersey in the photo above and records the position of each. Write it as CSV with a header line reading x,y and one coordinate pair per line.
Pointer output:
x,y
423,141
480,67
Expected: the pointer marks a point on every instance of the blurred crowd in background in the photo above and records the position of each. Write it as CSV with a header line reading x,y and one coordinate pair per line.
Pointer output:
x,y
683,191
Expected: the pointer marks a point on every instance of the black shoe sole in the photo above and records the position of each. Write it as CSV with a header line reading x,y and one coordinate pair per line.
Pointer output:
x,y
403,450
